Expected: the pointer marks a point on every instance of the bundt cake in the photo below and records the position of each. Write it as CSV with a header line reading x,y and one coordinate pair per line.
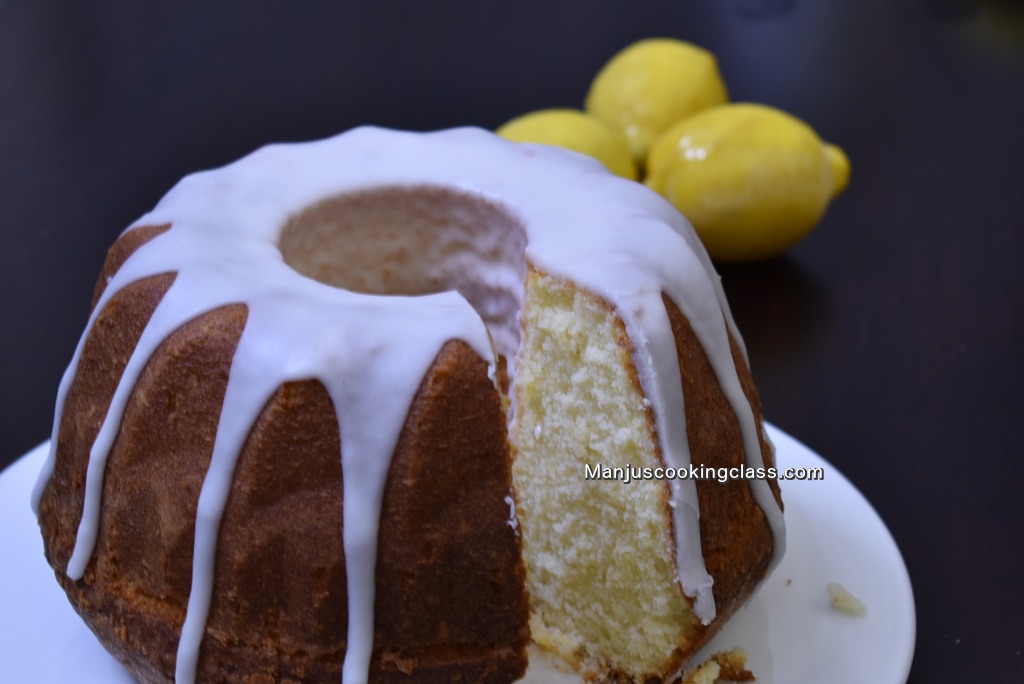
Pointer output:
x,y
346,410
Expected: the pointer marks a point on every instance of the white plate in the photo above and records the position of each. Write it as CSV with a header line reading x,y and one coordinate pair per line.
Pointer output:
x,y
789,629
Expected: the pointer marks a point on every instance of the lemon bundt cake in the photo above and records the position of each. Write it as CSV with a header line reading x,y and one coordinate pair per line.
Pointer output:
x,y
339,406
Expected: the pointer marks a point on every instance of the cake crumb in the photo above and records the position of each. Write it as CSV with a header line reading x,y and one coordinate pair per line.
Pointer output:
x,y
844,601
705,674
726,666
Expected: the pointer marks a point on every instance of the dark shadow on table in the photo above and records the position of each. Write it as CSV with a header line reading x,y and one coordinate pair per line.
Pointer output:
x,y
780,310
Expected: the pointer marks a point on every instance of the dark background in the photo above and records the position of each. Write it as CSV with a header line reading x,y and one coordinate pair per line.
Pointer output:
x,y
889,341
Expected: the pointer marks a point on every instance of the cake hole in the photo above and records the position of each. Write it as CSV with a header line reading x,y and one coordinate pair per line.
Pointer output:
x,y
416,240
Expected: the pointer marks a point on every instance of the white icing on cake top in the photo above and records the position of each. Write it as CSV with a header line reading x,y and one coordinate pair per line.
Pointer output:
x,y
612,237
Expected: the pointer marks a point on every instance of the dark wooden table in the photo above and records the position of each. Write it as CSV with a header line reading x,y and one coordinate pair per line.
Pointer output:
x,y
889,341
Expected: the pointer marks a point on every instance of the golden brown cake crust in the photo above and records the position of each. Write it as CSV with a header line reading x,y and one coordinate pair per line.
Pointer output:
x,y
736,539
279,611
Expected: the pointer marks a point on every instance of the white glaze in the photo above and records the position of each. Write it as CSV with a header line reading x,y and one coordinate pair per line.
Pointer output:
x,y
612,237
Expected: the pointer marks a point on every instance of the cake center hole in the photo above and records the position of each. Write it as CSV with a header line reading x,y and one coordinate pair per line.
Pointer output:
x,y
416,240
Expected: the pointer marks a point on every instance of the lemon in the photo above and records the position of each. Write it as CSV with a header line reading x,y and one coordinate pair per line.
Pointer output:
x,y
574,130
650,85
751,179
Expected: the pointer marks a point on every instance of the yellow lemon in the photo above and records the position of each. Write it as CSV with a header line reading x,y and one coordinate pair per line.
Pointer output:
x,y
574,130
652,84
751,179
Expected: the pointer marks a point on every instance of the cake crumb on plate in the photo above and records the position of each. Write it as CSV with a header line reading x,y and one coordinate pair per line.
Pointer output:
x,y
844,601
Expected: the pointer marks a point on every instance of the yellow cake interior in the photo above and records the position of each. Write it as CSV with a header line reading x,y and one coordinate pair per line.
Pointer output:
x,y
598,553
